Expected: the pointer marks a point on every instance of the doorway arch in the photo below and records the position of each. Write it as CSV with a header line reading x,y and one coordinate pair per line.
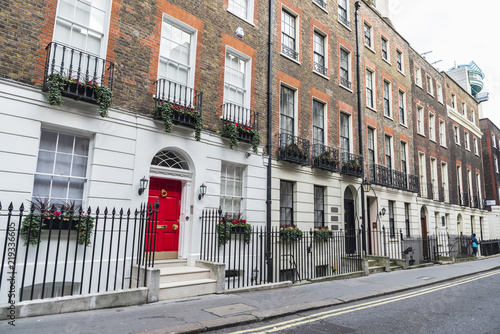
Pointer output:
x,y
349,221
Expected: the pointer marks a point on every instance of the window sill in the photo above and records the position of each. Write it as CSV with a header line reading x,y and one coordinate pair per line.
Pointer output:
x,y
387,61
247,21
370,48
288,57
372,109
419,86
404,125
421,134
441,102
389,117
433,140
402,73
321,75
348,89
444,146
320,7
342,23
430,94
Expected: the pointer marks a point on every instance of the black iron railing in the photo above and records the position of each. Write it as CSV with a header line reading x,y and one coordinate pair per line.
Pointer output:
x,y
430,191
475,202
297,256
464,200
245,119
293,149
344,20
351,164
346,83
185,101
399,180
381,175
326,158
289,52
82,71
320,69
413,183
441,194
54,253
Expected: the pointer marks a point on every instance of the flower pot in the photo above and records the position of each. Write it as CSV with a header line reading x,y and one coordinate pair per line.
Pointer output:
x,y
81,90
89,91
73,86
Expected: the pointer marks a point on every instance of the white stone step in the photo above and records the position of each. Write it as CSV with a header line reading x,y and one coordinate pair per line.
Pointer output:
x,y
183,273
187,289
170,263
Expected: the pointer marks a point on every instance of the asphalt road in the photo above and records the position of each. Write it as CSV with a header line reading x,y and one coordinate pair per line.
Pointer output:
x,y
467,305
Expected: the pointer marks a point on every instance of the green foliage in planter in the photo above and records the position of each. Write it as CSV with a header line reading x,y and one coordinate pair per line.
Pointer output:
x,y
55,83
290,233
33,223
326,158
227,227
293,149
230,130
322,234
166,111
104,99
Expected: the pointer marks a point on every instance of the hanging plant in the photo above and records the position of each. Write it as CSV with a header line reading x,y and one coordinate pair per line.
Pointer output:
x,y
230,130
55,83
227,227
104,99
322,234
166,111
255,140
290,233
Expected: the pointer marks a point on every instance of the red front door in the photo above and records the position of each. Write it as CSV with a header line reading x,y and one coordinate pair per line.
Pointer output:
x,y
168,194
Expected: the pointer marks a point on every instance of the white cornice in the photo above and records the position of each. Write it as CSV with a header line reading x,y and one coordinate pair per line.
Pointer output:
x,y
454,115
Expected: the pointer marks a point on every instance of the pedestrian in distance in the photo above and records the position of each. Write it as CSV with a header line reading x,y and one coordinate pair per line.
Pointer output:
x,y
474,243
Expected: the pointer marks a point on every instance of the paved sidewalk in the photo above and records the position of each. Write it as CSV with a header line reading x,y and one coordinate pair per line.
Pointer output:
x,y
218,311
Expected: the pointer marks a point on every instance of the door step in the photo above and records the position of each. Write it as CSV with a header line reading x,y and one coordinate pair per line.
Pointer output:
x,y
177,280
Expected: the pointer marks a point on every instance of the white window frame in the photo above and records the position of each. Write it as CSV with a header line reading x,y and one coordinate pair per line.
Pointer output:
x,y
369,72
248,75
402,93
420,120
494,140
476,145
442,132
325,119
388,49
439,90
389,84
422,174
453,101
55,172
349,74
295,107
105,31
418,76
496,165
400,55
350,138
456,133
192,57
432,126
391,151
348,23
464,109
405,145
249,9
434,178
296,32
466,139
444,179
325,51
478,189
430,87
369,46
237,177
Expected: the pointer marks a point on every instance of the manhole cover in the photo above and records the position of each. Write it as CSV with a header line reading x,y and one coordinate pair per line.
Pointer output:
x,y
230,309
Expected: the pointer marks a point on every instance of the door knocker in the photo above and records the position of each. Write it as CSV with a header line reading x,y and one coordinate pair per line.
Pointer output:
x,y
163,193
175,227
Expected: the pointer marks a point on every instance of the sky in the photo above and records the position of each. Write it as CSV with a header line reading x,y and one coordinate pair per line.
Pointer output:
x,y
457,32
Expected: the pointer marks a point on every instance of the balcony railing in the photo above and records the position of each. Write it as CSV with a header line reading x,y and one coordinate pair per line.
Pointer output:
x,y
430,191
464,199
185,100
320,69
344,20
293,149
244,118
381,175
441,194
346,83
352,164
475,202
326,158
82,71
289,52
413,183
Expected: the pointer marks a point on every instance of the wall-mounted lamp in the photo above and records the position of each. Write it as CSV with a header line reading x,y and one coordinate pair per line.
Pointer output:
x,y
366,185
203,191
382,212
143,184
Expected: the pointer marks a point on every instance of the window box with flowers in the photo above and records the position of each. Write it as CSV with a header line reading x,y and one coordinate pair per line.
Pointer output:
x,y
290,233
322,234
327,161
239,132
352,167
294,153
35,224
228,227
172,114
